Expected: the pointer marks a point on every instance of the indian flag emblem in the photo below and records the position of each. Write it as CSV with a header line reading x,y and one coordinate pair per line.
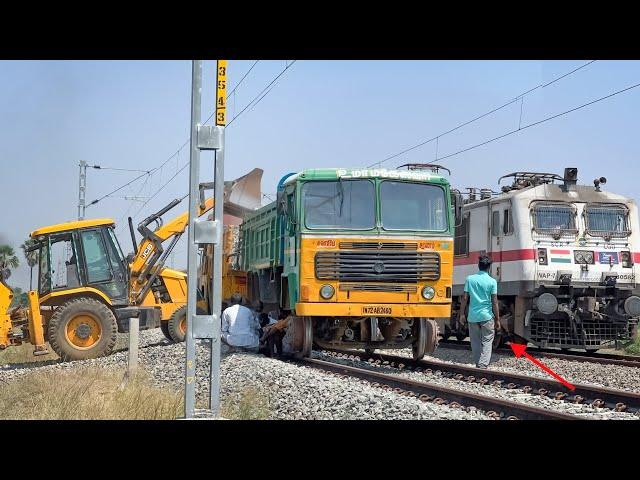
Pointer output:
x,y
559,256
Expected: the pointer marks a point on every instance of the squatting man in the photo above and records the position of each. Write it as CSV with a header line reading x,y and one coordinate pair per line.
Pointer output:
x,y
243,330
481,295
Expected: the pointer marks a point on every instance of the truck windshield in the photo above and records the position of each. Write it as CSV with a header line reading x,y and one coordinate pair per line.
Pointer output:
x,y
413,206
347,204
607,220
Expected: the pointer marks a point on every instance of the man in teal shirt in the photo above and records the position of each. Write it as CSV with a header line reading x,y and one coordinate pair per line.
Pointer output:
x,y
481,293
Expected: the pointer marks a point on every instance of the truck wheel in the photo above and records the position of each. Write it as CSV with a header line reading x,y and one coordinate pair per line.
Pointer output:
x,y
177,324
82,328
426,338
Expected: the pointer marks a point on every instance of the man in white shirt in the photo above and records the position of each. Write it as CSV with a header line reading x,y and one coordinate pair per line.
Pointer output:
x,y
239,327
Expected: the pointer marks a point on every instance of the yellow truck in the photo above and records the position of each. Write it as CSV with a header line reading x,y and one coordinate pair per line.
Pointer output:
x,y
358,258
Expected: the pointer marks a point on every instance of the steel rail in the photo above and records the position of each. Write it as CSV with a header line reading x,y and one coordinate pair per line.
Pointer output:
x,y
495,407
601,397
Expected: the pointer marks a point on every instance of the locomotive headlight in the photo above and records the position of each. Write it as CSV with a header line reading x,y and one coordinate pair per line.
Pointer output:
x,y
327,291
583,256
542,256
547,303
428,292
625,259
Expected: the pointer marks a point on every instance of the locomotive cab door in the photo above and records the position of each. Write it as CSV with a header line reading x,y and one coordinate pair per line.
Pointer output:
x,y
500,226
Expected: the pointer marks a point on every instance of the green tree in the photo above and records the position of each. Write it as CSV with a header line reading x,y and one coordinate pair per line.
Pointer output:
x,y
31,257
8,260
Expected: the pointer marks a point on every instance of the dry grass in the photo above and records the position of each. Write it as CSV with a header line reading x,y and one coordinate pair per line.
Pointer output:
x,y
24,354
248,404
87,394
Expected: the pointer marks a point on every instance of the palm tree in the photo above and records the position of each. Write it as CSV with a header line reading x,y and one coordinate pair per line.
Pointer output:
x,y
32,258
8,260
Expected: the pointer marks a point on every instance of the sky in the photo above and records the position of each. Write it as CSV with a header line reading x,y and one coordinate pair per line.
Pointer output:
x,y
136,115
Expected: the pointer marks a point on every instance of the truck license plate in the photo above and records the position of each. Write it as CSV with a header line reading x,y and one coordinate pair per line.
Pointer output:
x,y
376,310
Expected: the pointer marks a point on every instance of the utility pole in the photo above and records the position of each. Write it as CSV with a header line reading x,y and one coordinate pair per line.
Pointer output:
x,y
82,189
202,232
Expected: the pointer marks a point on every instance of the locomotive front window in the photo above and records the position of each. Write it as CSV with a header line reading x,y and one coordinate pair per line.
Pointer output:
x,y
607,220
413,206
348,204
554,219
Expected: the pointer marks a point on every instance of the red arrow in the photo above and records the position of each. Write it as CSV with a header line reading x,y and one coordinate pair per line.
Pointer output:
x,y
520,350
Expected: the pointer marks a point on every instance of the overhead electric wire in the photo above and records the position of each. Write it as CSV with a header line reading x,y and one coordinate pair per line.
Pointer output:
x,y
260,96
234,89
263,91
538,122
98,167
160,189
151,172
542,85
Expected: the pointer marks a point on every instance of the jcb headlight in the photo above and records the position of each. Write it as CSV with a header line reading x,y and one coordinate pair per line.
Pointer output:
x,y
327,291
428,292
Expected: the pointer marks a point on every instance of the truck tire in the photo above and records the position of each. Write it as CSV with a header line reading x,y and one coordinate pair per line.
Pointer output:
x,y
82,328
177,324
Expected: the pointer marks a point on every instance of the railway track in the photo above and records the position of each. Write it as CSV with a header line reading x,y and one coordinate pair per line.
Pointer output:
x,y
494,407
600,397
603,358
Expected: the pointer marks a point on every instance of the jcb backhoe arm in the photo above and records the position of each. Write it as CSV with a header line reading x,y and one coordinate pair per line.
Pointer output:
x,y
240,196
149,258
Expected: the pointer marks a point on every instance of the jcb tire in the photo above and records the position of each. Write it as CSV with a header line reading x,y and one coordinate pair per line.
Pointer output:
x,y
164,326
82,328
177,324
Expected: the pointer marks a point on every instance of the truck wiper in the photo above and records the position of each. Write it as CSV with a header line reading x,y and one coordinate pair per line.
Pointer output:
x,y
341,194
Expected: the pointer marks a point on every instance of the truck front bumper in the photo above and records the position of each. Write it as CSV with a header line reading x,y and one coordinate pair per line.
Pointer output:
x,y
403,310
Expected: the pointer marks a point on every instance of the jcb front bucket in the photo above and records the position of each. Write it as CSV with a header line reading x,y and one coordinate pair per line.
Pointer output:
x,y
243,194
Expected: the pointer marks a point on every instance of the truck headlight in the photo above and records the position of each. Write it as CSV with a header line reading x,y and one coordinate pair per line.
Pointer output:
x,y
428,292
625,259
547,303
327,291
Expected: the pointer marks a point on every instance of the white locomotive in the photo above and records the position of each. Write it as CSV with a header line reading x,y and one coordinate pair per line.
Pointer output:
x,y
564,256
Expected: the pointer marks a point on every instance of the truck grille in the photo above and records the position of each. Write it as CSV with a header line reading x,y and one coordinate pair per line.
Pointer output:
x,y
377,246
381,266
363,287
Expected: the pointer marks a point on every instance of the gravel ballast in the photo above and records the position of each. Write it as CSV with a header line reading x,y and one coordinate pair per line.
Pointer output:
x,y
292,391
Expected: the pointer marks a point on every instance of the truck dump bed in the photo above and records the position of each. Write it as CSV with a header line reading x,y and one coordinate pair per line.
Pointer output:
x,y
261,240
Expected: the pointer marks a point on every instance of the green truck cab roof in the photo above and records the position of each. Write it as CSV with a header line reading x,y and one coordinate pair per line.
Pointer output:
x,y
355,173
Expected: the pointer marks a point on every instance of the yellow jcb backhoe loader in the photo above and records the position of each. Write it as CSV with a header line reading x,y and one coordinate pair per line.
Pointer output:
x,y
87,290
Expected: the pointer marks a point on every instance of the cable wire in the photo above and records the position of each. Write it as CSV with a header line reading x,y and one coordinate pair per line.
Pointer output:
x,y
539,122
263,90
234,89
479,117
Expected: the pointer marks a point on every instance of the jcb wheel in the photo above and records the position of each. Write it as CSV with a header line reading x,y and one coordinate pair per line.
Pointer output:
x,y
164,326
177,324
82,328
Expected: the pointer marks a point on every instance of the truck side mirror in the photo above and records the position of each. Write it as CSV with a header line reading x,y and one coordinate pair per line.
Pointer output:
x,y
458,202
281,201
